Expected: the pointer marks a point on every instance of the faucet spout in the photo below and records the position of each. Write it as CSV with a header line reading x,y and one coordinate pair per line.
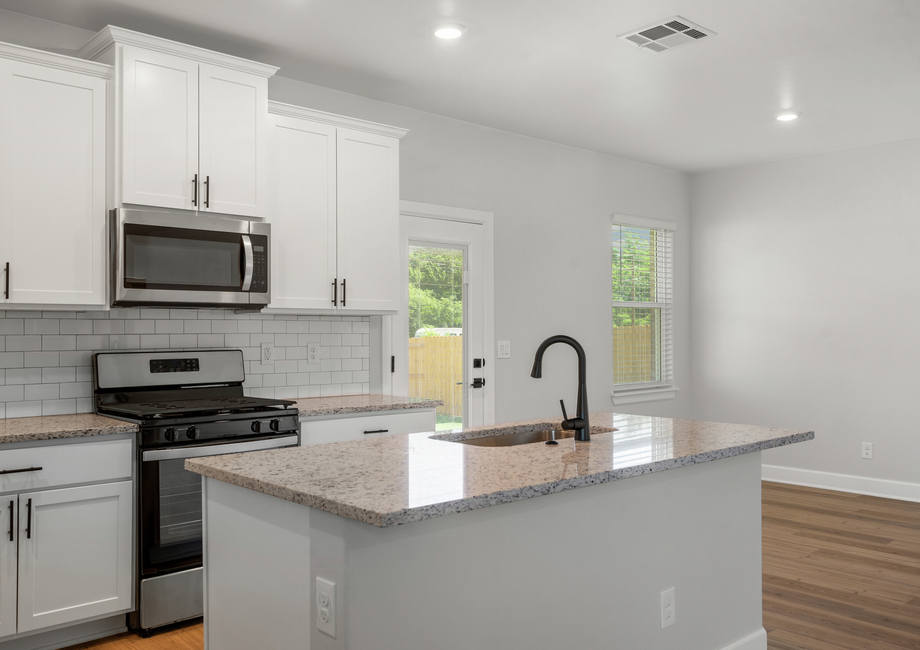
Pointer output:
x,y
579,424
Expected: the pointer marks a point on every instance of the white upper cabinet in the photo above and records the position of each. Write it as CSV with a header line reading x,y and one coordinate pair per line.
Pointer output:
x,y
52,179
334,187
191,124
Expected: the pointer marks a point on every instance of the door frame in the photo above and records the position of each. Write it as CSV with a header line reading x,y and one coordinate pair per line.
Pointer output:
x,y
391,384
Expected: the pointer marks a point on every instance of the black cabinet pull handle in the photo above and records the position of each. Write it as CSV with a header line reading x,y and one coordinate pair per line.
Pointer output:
x,y
377,431
29,520
24,469
7,292
335,292
343,293
195,192
207,191
11,520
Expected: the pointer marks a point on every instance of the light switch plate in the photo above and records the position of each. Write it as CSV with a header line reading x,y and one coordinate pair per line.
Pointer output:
x,y
504,349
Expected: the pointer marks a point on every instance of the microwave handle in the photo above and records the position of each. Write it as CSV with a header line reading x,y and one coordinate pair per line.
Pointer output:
x,y
247,272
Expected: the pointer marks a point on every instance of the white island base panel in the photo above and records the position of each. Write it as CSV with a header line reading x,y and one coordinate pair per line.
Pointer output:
x,y
583,569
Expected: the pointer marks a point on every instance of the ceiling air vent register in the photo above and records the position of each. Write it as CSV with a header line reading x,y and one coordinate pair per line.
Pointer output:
x,y
666,35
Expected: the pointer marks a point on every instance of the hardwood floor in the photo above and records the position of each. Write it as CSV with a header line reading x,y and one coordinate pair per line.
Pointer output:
x,y
840,572
182,636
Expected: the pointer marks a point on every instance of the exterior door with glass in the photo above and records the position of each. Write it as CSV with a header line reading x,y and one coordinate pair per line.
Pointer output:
x,y
442,324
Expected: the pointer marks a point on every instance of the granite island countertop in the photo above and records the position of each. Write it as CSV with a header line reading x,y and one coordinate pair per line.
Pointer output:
x,y
344,404
406,478
51,427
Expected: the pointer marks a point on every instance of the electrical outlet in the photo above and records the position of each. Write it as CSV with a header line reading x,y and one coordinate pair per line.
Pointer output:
x,y
668,616
325,606
867,450
268,352
312,353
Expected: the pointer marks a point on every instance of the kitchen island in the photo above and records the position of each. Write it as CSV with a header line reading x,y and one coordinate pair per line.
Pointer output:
x,y
580,568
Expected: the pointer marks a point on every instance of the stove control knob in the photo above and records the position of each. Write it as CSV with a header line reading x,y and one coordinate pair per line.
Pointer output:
x,y
256,427
275,425
192,433
171,434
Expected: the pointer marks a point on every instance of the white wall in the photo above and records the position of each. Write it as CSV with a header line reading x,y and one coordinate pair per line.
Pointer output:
x,y
552,207
806,309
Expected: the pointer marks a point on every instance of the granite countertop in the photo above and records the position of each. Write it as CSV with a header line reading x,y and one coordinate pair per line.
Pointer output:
x,y
405,478
50,427
311,406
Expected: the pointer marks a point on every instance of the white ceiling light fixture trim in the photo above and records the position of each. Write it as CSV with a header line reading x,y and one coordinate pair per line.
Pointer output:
x,y
787,116
666,35
449,31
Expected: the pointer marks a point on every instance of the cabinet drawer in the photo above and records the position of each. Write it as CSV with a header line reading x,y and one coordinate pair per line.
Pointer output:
x,y
359,427
65,464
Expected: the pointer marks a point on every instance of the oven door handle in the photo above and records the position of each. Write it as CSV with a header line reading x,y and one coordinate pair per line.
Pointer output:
x,y
216,450
247,272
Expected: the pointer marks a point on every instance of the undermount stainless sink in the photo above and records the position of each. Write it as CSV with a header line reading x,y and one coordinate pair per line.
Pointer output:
x,y
522,437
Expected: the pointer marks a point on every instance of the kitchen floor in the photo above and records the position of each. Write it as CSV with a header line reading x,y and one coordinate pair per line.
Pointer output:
x,y
840,572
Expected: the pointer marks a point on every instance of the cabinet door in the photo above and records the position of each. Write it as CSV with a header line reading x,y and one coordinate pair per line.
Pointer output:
x,y
233,119
159,157
52,184
368,220
302,214
8,565
75,556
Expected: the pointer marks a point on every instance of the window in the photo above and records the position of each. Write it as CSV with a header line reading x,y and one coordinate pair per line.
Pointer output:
x,y
642,262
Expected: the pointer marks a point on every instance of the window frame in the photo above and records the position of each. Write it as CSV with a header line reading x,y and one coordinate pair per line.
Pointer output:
x,y
665,389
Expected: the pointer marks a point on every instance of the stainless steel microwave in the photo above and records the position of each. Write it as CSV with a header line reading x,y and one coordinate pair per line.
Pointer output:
x,y
177,259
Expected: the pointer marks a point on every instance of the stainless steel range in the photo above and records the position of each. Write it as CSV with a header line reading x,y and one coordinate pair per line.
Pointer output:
x,y
187,404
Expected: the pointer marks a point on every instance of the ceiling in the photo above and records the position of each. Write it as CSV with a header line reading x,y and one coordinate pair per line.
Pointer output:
x,y
554,69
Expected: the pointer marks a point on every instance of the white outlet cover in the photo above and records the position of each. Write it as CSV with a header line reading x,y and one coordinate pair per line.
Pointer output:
x,y
325,606
668,608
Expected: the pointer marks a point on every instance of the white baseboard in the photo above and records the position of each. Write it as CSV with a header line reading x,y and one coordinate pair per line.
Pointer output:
x,y
756,640
874,487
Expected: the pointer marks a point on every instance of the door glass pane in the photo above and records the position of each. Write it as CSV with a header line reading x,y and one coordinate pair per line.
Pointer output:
x,y
435,330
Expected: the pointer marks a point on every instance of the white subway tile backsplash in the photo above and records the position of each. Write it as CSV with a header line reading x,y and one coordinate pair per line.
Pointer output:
x,y
183,340
11,326
46,357
23,409
74,326
57,375
24,376
34,392
10,360
210,340
59,342
11,393
23,343
59,406
169,327
41,326
140,326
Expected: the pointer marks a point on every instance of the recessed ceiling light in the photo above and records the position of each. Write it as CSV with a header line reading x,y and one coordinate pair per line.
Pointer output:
x,y
788,116
447,32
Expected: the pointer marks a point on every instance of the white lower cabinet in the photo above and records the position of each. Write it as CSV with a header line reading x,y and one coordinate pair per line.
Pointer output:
x,y
65,552
361,426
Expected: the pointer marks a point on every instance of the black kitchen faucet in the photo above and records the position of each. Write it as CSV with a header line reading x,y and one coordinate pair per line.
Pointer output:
x,y
579,424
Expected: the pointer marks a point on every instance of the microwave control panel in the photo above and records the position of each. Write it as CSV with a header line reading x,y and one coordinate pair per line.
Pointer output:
x,y
259,265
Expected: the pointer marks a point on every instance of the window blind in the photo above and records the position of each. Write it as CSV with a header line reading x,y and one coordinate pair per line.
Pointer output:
x,y
642,281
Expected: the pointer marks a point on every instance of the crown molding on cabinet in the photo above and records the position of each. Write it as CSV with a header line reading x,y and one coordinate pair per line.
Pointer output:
x,y
110,35
59,61
290,110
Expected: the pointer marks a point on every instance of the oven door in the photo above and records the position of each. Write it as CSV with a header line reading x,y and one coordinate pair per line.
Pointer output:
x,y
164,258
170,496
